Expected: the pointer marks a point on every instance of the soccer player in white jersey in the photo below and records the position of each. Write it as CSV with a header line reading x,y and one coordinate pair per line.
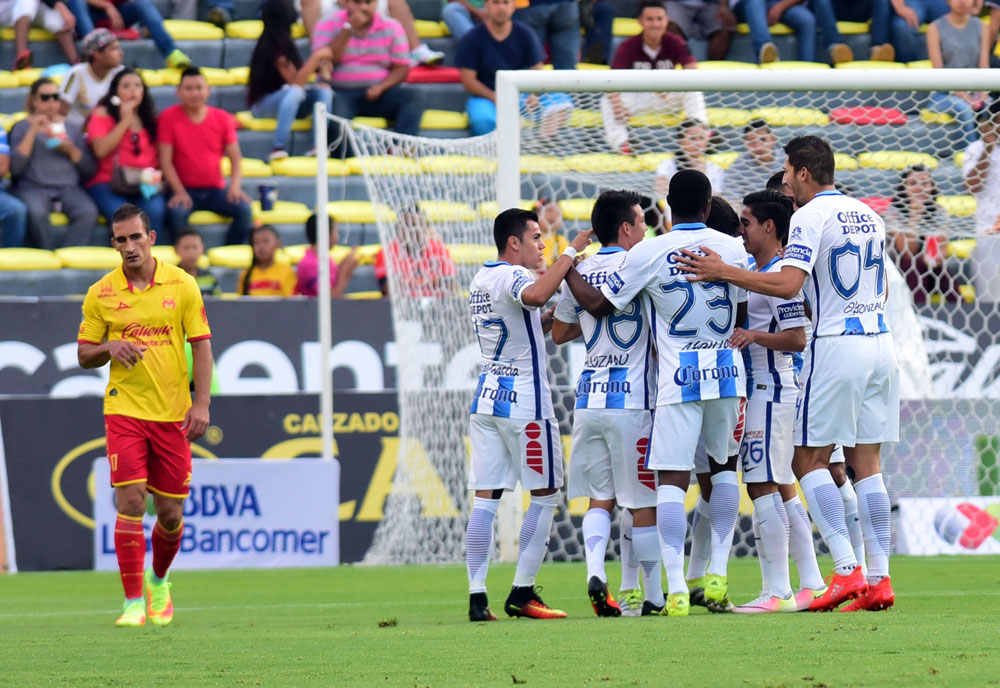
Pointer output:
x,y
700,378
612,418
835,251
513,432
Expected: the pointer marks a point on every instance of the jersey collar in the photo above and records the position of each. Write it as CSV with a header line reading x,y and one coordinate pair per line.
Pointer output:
x,y
606,250
495,263
156,279
829,192
689,225
771,262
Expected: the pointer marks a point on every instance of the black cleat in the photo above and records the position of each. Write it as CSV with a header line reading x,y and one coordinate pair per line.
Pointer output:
x,y
601,600
479,608
525,602
650,609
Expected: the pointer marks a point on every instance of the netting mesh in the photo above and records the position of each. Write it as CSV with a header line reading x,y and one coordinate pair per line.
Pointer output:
x,y
896,150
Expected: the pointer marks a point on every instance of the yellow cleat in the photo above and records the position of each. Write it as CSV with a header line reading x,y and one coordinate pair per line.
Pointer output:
x,y
132,615
678,604
161,606
717,594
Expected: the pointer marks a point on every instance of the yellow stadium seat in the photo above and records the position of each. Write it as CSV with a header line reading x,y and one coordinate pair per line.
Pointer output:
x,y
447,211
849,28
295,253
213,75
794,64
490,209
590,66
283,213
58,219
367,253
896,160
871,64
650,161
188,30
251,29
577,208
931,117
626,26
776,30
655,119
166,253
471,254
151,77
9,80
251,167
373,122
28,259
364,295
169,77
204,217
959,159
15,117
919,64
27,77
248,121
241,75
383,165
959,206
961,248
843,162
542,163
34,34
602,162
457,164
359,212
89,257
923,28
792,116
726,64
585,118
431,29
728,117
444,119
238,256
307,167
723,160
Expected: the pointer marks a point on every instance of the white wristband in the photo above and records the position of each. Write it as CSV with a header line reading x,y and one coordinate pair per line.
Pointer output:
x,y
569,251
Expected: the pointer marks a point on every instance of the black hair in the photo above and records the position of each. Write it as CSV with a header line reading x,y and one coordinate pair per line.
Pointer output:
x,y
689,193
723,218
245,286
36,86
902,204
126,211
646,4
146,109
511,223
311,227
771,205
682,129
776,182
190,70
275,41
814,154
186,231
755,125
611,209
989,112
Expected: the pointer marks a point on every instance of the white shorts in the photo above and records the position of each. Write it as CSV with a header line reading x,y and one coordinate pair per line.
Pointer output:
x,y
701,462
41,15
678,427
766,452
608,459
849,392
508,450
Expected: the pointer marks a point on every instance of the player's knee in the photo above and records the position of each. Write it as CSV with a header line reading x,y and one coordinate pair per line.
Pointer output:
x,y
757,490
544,492
169,512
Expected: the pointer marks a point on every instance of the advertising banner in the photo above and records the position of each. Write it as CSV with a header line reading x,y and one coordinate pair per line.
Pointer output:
x,y
949,525
241,513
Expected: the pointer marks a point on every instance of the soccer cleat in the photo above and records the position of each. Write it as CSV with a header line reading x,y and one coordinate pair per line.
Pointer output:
x,y
525,602
178,60
766,604
160,606
678,604
805,596
879,597
132,615
650,609
717,593
479,608
600,598
840,589
630,602
697,591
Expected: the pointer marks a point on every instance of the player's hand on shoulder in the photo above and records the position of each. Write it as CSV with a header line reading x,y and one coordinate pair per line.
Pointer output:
x,y
195,422
582,239
741,338
707,266
126,353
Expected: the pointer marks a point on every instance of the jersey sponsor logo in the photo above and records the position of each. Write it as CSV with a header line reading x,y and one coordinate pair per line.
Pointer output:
x,y
479,302
168,303
795,234
689,375
646,477
798,252
856,222
790,311
615,282
122,306
596,278
520,282
533,451
508,396
500,370
586,386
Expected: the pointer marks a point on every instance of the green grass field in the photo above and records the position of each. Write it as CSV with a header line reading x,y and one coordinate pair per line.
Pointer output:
x,y
321,627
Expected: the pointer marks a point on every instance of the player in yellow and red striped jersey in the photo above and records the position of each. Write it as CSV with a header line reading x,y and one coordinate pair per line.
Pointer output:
x,y
137,317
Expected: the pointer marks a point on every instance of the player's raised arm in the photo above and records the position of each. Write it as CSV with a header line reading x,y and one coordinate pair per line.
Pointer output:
x,y
589,298
541,290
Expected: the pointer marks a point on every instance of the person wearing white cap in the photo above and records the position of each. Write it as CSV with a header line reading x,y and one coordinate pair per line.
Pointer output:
x,y
86,83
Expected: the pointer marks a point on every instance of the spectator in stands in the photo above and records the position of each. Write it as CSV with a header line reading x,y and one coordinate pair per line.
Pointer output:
x,y
955,41
653,48
918,233
419,259
761,159
122,133
54,16
550,221
86,83
370,62
420,52
307,271
993,30
692,144
271,88
193,138
981,169
119,15
461,15
502,42
710,20
761,14
13,214
49,162
557,25
880,14
189,247
910,14
597,19
266,276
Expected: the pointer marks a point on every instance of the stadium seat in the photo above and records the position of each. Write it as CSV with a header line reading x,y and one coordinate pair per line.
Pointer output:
x,y
776,29
28,259
590,66
920,64
931,117
490,209
308,167
238,256
241,75
867,115
58,219
367,253
9,80
585,118
248,121
35,34
794,64
726,65
457,164
471,254
187,30
422,74
602,162
728,117
364,295
577,208
961,248
723,160
30,76
447,211
656,119
958,206
871,64
283,213
89,257
383,165
792,116
444,119
626,26
152,77
844,162
166,253
373,122
251,29
896,160
542,163
431,29
852,28
959,159
251,167
650,161
362,212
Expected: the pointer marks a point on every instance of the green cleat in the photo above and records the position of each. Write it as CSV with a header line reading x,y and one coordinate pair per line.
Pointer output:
x,y
630,601
132,615
160,607
678,604
717,594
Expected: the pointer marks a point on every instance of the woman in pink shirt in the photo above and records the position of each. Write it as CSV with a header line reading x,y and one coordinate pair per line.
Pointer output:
x,y
308,268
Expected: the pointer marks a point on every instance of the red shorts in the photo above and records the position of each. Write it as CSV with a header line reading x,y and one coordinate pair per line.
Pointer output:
x,y
147,451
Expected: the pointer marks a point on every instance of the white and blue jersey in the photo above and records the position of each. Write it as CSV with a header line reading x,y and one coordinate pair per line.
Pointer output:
x,y
839,242
692,322
618,370
513,379
771,374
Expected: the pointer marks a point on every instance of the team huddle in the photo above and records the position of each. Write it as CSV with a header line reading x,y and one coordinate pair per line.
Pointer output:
x,y
713,347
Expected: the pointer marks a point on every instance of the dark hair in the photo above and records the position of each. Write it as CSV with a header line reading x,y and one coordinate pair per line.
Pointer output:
x,y
814,154
902,204
126,211
275,41
755,125
311,227
190,70
689,193
146,109
723,218
646,4
245,285
682,131
36,86
776,182
989,112
185,231
611,209
511,223
771,205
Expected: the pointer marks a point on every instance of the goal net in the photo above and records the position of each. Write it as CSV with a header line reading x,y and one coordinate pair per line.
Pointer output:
x,y
900,139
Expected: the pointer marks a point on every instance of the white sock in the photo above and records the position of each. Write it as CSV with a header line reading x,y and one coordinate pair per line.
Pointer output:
x,y
534,537
647,549
701,540
800,544
761,559
724,507
630,562
873,505
854,523
827,510
770,511
596,533
671,524
479,541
